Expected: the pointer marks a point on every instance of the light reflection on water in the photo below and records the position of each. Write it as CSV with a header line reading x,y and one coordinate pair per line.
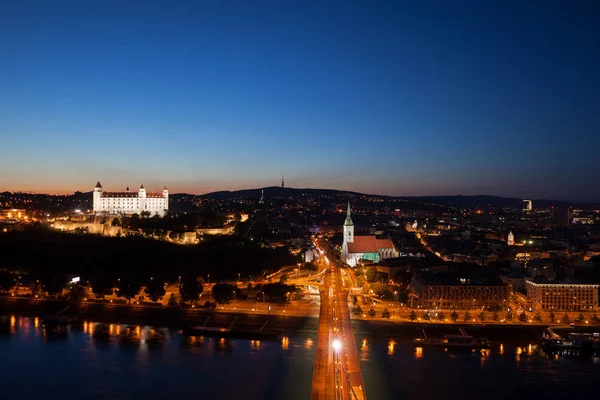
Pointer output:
x,y
137,361
99,361
395,368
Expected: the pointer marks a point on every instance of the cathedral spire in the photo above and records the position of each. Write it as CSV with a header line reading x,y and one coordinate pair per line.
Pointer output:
x,y
348,221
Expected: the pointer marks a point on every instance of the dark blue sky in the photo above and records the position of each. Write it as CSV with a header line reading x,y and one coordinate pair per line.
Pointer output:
x,y
481,97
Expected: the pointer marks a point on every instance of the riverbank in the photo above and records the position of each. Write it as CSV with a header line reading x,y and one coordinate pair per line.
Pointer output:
x,y
286,324
177,318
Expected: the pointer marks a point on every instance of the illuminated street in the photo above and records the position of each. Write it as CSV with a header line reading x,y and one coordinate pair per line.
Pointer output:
x,y
336,372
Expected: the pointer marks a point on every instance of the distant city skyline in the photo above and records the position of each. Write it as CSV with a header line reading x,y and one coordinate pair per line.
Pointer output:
x,y
381,97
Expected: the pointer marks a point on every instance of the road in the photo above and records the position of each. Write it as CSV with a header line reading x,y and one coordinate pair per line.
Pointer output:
x,y
336,372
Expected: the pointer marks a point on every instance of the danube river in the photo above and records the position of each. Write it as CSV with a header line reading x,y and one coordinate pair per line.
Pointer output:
x,y
102,361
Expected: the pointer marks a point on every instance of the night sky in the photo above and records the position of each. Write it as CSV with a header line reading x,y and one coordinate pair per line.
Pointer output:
x,y
430,98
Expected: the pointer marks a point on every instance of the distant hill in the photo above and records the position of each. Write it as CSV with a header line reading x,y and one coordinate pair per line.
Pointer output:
x,y
457,201
500,202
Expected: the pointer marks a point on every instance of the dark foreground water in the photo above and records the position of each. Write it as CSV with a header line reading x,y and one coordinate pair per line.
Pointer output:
x,y
93,361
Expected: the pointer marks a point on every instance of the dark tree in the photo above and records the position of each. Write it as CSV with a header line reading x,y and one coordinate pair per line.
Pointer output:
x,y
481,316
509,316
103,285
468,317
495,316
54,285
223,292
426,316
402,297
454,316
278,292
357,310
386,314
551,317
523,317
441,316
580,317
372,312
77,292
191,288
7,281
155,289
172,301
565,318
538,317
412,316
129,287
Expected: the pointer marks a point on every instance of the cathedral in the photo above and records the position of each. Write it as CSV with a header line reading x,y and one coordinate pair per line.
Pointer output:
x,y
357,248
127,202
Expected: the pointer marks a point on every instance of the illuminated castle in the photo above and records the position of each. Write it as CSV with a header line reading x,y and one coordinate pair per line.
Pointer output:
x,y
127,202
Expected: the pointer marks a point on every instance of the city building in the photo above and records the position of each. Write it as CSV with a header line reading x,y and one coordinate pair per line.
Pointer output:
x,y
13,214
546,295
458,290
356,248
128,202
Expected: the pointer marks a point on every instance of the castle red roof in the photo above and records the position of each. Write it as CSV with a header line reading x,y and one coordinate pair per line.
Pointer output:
x,y
119,194
98,185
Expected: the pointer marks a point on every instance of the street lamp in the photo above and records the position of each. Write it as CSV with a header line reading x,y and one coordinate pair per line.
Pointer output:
x,y
239,279
234,297
337,345
263,293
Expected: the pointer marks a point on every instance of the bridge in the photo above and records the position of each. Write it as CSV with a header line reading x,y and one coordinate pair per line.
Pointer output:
x,y
336,371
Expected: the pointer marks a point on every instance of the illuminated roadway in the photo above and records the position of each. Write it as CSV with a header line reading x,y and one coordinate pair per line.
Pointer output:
x,y
336,371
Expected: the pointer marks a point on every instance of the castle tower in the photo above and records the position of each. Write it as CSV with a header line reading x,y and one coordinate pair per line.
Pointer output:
x,y
142,197
97,196
166,196
511,239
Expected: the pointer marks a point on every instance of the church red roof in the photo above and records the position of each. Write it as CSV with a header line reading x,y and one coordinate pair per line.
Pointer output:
x,y
363,244
369,244
385,244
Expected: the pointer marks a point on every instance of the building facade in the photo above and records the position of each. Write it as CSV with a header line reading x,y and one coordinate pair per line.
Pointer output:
x,y
562,296
128,202
447,290
355,248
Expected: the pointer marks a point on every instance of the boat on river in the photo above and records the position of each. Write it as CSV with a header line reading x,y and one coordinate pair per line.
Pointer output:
x,y
571,341
462,341
230,332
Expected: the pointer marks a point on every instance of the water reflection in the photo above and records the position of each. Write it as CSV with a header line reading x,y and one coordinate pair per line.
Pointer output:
x,y
391,350
418,353
127,358
308,343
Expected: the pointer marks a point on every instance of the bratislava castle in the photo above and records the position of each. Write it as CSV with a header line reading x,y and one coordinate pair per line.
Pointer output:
x,y
128,202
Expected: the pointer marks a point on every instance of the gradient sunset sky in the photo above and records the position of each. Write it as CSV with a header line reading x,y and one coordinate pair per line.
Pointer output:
x,y
399,98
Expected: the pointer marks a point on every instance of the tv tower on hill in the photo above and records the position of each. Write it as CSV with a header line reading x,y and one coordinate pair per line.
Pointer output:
x,y
282,185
